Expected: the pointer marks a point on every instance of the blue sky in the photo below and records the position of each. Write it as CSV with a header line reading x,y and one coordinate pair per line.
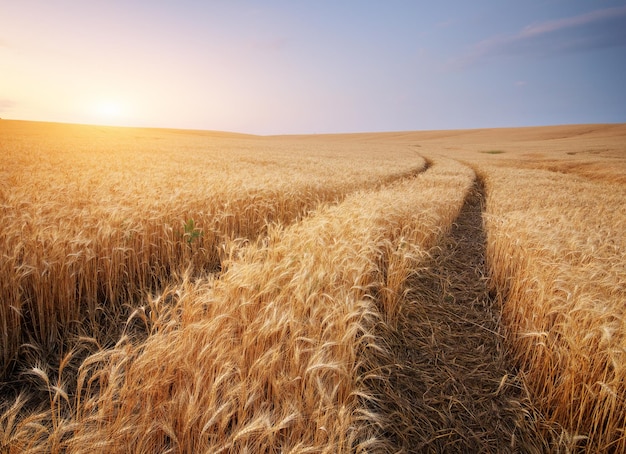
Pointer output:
x,y
314,66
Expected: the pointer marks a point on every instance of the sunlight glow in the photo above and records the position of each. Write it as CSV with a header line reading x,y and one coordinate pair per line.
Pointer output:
x,y
109,110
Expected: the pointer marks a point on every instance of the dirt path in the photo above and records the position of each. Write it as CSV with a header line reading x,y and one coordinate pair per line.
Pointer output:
x,y
450,387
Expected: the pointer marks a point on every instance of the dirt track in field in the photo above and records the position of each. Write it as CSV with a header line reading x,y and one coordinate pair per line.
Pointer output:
x,y
450,387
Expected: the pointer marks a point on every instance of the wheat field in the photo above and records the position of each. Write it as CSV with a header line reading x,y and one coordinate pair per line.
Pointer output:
x,y
199,291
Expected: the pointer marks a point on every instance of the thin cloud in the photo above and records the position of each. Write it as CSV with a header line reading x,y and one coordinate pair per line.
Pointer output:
x,y
576,21
597,29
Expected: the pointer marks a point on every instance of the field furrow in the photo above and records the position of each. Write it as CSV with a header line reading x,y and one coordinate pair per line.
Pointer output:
x,y
449,386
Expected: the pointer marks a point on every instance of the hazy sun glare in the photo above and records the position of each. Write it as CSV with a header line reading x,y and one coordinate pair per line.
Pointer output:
x,y
109,111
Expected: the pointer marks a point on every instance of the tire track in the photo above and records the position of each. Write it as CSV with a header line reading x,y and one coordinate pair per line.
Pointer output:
x,y
452,389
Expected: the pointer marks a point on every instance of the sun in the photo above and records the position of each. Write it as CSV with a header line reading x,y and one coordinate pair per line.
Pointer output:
x,y
109,111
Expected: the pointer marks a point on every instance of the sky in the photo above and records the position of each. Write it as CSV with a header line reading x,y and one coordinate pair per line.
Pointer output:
x,y
325,66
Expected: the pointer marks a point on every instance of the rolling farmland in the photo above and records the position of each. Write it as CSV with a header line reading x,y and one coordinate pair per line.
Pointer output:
x,y
197,291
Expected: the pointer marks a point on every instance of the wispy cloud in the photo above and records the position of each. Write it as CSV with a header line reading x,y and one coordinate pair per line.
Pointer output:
x,y
576,21
597,29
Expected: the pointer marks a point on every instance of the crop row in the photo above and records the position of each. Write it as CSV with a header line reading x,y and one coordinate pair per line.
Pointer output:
x,y
88,228
556,248
271,356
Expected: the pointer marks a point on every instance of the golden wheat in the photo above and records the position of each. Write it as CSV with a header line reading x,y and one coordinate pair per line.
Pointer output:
x,y
189,291
93,219
267,358
556,250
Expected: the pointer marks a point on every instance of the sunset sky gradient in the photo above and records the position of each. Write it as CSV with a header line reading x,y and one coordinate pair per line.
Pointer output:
x,y
276,67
